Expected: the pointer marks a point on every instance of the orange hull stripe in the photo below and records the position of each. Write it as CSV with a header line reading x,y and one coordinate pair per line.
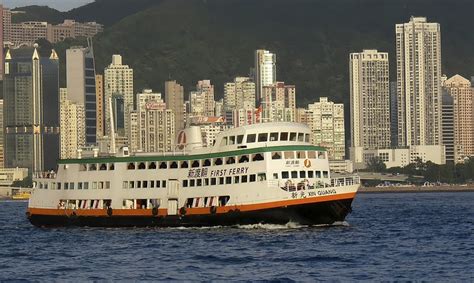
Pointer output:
x,y
189,211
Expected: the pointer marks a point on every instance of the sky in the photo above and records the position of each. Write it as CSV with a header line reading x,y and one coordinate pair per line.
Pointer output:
x,y
61,5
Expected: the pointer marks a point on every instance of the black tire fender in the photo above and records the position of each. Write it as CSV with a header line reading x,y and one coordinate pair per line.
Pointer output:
x,y
154,211
182,210
109,211
213,209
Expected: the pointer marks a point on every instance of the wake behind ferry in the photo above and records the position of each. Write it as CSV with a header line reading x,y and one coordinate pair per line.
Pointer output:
x,y
261,173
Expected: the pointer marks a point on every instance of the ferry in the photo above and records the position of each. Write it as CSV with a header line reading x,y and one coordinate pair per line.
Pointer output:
x,y
261,173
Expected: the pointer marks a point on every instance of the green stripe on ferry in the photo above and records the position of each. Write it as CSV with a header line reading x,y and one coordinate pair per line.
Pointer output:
x,y
189,157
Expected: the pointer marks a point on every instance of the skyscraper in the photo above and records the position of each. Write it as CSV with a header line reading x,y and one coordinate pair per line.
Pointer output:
x,y
1,43
370,99
99,92
418,45
81,87
239,94
279,103
118,82
72,123
264,72
207,90
174,98
31,92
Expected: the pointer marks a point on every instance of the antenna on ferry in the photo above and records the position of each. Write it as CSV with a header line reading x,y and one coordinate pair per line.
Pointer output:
x,y
112,149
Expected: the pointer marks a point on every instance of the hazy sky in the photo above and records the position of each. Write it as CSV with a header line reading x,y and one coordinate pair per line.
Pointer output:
x,y
61,5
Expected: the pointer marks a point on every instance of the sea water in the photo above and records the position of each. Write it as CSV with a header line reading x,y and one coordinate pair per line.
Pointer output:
x,y
390,236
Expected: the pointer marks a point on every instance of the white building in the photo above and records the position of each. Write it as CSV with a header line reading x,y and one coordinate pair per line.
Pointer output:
x,y
279,103
207,91
72,126
210,127
418,45
9,175
239,94
370,99
265,71
118,83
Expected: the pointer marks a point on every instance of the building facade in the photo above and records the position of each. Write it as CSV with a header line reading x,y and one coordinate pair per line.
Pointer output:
x,y
206,89
72,125
369,99
418,45
100,111
447,122
174,98
264,71
239,94
279,103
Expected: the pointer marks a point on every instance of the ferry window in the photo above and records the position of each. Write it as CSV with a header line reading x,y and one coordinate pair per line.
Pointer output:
x,y
275,176
92,167
261,177
189,202
125,184
184,164
94,185
112,166
236,179
141,166
240,139
228,180
230,160
131,185
251,138
262,137
276,155
292,136
163,184
174,164
195,164
224,141
311,154
152,165
294,174
301,154
218,161
157,183
71,186
244,179
79,186
257,157
221,180
163,165
83,167
131,166
310,174
192,183
283,136
86,185
318,174
139,184
285,175
231,140
306,137
152,184
253,178
206,163
66,186
213,181
199,182
223,200
320,155
103,167
185,183
206,182
302,174
273,136
289,154
300,137
244,158
59,186
145,184
325,174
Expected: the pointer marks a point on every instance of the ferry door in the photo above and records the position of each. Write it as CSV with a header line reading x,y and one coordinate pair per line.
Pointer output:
x,y
173,192
172,206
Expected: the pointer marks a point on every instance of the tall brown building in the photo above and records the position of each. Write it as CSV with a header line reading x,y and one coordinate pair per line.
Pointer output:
x,y
99,94
1,43
463,107
174,98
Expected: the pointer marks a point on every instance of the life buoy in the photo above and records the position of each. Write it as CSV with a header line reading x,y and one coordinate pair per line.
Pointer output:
x,y
182,210
154,211
307,163
109,211
213,209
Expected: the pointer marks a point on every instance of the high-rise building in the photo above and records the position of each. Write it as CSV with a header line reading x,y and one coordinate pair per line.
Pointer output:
x,y
72,123
264,72
393,115
279,103
99,95
207,90
239,94
174,98
447,122
370,99
7,24
27,33
327,125
154,126
1,42
81,87
2,140
197,103
460,90
118,82
31,98
418,45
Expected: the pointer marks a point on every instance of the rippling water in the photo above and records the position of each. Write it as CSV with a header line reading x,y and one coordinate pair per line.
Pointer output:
x,y
411,236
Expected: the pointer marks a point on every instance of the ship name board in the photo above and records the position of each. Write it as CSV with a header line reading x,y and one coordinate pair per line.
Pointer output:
x,y
321,192
204,172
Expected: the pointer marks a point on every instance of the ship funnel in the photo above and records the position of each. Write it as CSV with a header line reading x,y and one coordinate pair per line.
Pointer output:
x,y
189,139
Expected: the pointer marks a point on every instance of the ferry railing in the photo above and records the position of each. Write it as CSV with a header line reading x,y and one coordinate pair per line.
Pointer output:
x,y
290,185
45,175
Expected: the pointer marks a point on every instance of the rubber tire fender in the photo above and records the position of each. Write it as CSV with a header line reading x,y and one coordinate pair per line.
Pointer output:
x,y
213,209
109,211
154,211
182,211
